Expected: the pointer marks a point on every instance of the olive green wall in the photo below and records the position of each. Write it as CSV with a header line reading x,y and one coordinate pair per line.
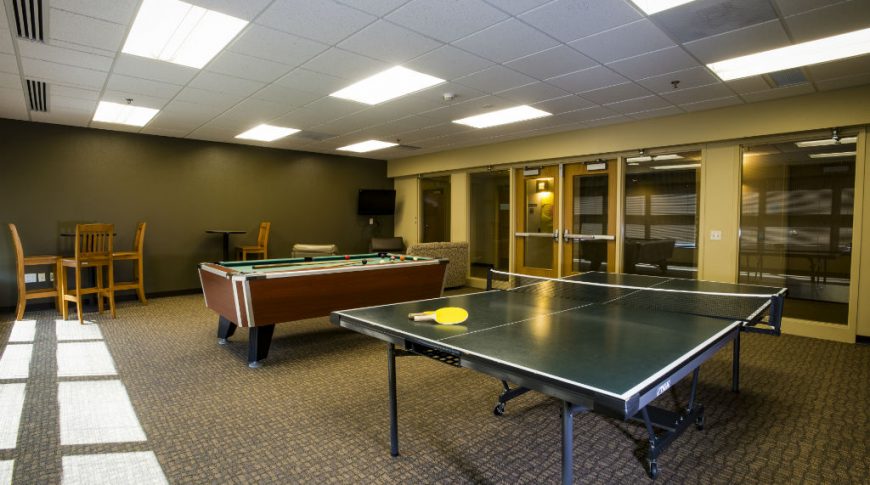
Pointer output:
x,y
52,176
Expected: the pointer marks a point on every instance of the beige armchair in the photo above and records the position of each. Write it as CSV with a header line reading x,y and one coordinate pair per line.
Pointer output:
x,y
455,252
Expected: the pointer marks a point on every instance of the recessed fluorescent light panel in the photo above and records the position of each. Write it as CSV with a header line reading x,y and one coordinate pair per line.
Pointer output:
x,y
386,85
832,155
367,146
123,114
677,167
655,6
846,140
804,54
181,33
266,132
657,158
503,117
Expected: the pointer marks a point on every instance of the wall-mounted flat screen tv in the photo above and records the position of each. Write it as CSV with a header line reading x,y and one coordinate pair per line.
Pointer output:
x,y
376,202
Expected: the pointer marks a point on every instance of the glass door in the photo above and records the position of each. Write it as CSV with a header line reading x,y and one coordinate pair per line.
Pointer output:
x,y
537,236
588,238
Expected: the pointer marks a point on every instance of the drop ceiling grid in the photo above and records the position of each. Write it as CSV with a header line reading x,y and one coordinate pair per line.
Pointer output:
x,y
590,61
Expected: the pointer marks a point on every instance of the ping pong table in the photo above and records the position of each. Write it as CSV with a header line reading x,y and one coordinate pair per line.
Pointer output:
x,y
602,342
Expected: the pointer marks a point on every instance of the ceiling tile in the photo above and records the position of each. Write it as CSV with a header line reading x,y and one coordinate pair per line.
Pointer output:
x,y
564,104
61,74
756,38
552,62
843,82
694,95
795,90
9,64
247,67
50,53
153,69
252,112
69,118
313,82
495,79
219,101
712,104
221,83
638,104
569,20
323,20
374,7
346,65
638,37
286,96
689,78
329,109
656,113
134,85
516,7
12,104
831,20
82,30
247,10
6,45
388,42
748,84
75,105
118,11
654,63
587,80
448,63
615,94
446,20
506,41
838,69
274,45
585,115
72,92
532,93
156,131
696,20
10,81
792,7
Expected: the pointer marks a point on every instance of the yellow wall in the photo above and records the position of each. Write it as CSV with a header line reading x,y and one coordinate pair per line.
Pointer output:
x,y
720,132
407,209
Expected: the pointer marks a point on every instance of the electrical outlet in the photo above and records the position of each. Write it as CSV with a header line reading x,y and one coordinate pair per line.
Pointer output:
x,y
30,277
40,277
715,235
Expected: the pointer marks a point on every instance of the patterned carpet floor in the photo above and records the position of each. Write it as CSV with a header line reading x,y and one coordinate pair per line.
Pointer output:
x,y
316,412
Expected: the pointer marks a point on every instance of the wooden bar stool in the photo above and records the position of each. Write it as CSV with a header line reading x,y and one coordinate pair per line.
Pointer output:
x,y
21,263
135,255
93,249
262,246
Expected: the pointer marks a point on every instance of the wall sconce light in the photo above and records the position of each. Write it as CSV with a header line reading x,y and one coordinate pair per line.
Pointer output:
x,y
543,186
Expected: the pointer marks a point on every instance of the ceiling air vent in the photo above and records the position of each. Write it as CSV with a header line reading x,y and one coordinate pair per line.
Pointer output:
x,y
28,19
789,77
37,93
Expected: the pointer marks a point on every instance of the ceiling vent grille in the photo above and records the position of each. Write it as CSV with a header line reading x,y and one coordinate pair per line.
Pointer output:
x,y
28,19
37,92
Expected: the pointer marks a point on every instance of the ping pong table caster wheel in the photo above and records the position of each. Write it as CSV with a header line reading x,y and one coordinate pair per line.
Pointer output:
x,y
653,470
499,409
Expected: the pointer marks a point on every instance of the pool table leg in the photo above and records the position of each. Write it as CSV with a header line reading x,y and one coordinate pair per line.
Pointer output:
x,y
259,339
226,329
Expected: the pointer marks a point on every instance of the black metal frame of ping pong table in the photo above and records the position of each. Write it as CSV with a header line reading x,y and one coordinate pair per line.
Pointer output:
x,y
670,424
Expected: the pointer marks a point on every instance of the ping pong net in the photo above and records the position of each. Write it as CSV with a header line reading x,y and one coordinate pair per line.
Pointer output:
x,y
749,304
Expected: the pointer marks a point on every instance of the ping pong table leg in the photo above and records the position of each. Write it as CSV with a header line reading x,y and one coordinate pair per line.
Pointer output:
x,y
735,365
394,422
567,443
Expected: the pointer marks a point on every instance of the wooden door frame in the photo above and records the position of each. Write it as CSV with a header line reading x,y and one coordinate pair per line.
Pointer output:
x,y
571,170
549,171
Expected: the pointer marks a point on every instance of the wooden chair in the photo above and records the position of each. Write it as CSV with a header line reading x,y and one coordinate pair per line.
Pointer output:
x,y
21,263
135,255
262,246
93,249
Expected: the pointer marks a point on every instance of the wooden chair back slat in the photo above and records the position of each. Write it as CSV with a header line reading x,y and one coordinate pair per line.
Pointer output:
x,y
263,235
94,240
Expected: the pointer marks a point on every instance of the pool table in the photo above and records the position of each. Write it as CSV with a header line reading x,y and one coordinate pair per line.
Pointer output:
x,y
258,294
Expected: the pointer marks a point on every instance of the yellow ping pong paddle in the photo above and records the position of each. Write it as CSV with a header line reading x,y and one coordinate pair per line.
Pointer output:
x,y
445,316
